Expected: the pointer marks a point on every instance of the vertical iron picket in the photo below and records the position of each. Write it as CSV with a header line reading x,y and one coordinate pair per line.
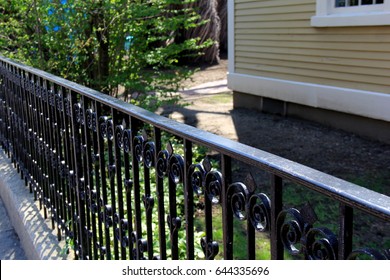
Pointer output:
x,y
276,207
127,223
41,182
227,213
160,166
148,199
77,177
57,158
89,182
346,232
110,206
103,200
189,201
99,177
137,234
175,179
119,214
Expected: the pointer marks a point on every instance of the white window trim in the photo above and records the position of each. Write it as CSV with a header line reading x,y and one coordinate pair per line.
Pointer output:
x,y
328,16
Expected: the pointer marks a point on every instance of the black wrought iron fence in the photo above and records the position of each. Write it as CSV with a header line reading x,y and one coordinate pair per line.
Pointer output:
x,y
119,182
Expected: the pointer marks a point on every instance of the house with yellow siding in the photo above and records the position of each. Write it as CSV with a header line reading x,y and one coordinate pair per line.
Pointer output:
x,y
325,60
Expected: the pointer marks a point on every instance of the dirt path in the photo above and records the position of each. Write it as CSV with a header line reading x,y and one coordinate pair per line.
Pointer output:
x,y
335,152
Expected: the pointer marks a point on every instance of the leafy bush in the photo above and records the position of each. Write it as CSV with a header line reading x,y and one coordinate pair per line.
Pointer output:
x,y
130,49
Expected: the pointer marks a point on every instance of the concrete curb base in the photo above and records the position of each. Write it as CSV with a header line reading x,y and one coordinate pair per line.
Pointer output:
x,y
36,236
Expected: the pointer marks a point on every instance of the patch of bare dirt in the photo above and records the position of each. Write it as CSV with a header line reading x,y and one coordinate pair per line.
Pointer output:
x,y
207,73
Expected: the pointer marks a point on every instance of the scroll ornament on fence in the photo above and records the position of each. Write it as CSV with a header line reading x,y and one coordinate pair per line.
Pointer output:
x,y
247,204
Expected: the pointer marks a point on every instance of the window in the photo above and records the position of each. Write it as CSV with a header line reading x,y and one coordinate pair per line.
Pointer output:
x,y
355,6
351,13
352,3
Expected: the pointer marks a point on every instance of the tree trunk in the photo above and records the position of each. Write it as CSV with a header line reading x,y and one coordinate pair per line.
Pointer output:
x,y
208,10
223,36
103,65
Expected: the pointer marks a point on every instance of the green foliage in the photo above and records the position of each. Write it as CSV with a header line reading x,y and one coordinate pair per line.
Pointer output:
x,y
130,49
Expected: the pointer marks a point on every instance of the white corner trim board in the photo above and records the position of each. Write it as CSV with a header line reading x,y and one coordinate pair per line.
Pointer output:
x,y
369,104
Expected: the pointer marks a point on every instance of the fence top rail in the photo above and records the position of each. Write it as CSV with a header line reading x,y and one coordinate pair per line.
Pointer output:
x,y
345,192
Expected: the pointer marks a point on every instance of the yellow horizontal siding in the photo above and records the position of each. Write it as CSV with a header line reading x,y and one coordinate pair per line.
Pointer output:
x,y
275,39
260,11
270,4
324,54
273,17
270,24
334,71
284,57
341,46
336,38
286,29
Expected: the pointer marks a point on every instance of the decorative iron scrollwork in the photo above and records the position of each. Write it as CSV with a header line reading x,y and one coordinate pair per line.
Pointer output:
x,y
103,126
162,163
40,145
123,237
299,237
54,159
51,97
140,246
138,148
110,129
148,203
246,204
91,120
128,185
197,175
117,231
46,95
214,186
111,170
103,250
38,90
94,206
369,254
78,113
31,86
67,107
107,216
72,179
126,140
237,194
174,224
176,167
171,164
116,218
59,101
321,244
210,249
119,136
149,154
291,228
259,210
82,193
46,151
63,169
